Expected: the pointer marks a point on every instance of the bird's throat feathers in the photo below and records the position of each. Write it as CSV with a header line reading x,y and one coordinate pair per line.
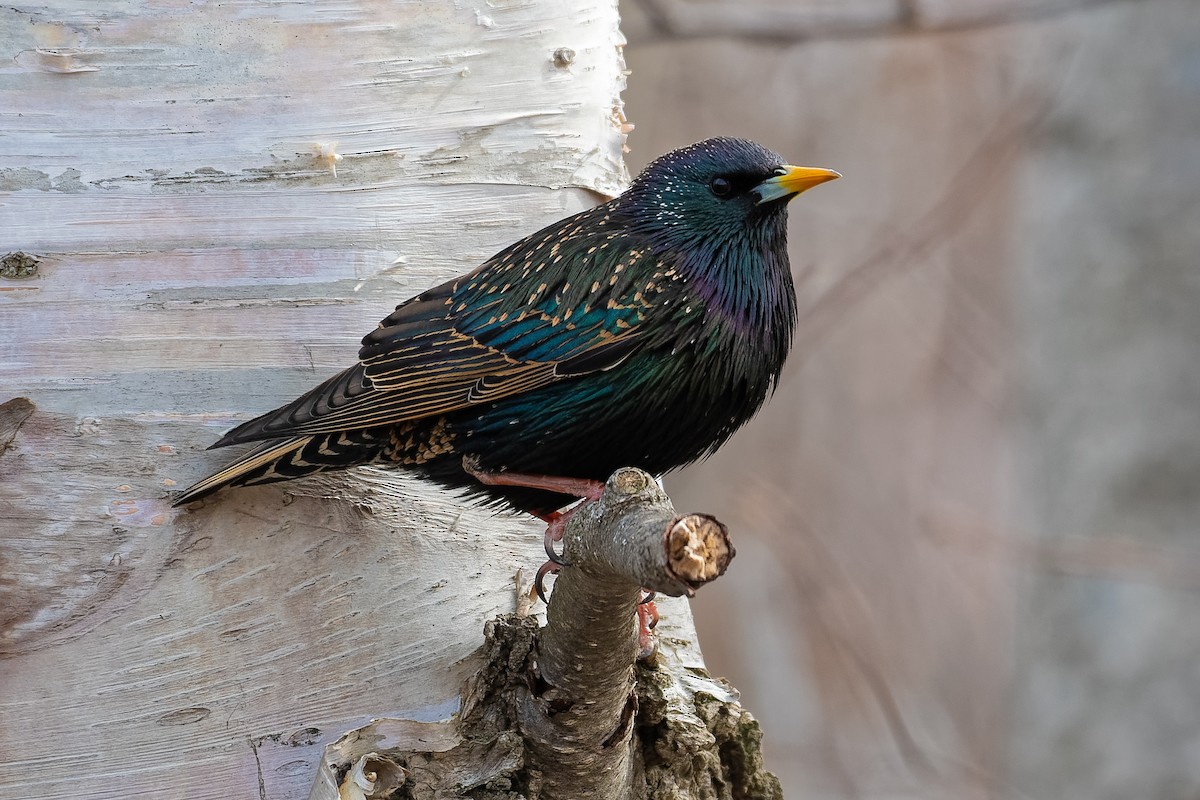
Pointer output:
x,y
746,280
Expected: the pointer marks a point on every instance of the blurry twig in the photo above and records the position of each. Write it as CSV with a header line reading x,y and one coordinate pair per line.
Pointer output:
x,y
1110,556
837,606
785,23
901,253
817,560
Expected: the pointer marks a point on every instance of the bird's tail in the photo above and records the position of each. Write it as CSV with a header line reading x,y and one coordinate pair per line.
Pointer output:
x,y
284,459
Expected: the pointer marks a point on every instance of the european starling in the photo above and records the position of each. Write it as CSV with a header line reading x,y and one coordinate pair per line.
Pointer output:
x,y
642,332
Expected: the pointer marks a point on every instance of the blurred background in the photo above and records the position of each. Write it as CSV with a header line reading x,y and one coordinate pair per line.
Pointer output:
x,y
967,523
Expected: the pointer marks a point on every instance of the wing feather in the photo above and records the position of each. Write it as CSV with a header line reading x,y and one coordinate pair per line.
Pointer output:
x,y
497,332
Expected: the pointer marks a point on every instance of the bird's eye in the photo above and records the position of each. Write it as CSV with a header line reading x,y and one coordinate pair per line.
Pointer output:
x,y
721,187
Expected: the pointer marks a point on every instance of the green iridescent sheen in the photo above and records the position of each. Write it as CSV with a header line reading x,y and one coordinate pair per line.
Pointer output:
x,y
642,332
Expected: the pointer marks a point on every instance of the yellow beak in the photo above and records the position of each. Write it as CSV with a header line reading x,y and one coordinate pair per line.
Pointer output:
x,y
790,181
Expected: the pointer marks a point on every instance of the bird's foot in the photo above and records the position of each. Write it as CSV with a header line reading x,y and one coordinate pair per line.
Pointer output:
x,y
556,524
647,616
556,521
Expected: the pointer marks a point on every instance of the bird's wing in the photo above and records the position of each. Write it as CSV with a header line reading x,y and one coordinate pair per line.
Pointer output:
x,y
498,332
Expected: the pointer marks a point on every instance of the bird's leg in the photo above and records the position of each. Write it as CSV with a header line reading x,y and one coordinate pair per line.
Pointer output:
x,y
556,525
647,616
576,487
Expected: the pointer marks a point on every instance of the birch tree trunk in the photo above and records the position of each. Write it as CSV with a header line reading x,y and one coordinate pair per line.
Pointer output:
x,y
204,207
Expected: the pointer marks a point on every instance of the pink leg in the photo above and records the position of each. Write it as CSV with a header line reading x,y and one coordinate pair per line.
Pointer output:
x,y
647,615
576,487
556,523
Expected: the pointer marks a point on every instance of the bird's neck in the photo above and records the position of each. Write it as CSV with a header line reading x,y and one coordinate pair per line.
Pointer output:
x,y
747,280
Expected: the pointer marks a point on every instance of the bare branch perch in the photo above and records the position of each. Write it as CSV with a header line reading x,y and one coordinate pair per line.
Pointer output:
x,y
578,718
554,713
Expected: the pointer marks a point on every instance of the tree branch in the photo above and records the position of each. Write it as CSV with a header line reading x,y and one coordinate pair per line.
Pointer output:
x,y
553,713
578,718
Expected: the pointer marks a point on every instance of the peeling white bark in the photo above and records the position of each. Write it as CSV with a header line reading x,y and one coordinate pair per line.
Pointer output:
x,y
221,199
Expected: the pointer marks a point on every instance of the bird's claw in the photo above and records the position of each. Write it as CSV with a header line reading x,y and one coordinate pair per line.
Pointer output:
x,y
548,568
556,526
551,554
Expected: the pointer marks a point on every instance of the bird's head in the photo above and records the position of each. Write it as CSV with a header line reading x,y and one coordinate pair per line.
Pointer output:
x,y
717,189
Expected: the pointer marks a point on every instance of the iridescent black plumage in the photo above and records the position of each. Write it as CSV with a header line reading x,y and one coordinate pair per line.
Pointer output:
x,y
641,332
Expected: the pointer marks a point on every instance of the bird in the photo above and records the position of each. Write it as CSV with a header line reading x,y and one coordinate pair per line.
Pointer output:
x,y
641,332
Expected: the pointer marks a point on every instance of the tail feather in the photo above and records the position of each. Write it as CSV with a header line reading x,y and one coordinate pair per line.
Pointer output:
x,y
257,466
284,459
320,400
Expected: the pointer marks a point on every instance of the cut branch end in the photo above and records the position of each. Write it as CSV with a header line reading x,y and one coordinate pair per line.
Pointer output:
x,y
698,550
